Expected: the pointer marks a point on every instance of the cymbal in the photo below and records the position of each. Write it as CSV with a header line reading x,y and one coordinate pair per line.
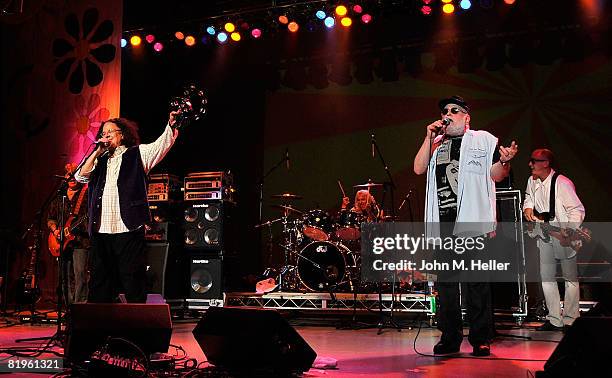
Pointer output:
x,y
287,196
288,208
368,185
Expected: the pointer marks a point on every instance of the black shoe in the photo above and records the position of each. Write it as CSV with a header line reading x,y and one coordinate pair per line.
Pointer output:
x,y
481,350
446,348
548,326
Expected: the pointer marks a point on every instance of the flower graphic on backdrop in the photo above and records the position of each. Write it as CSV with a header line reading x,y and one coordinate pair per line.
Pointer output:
x,y
86,121
80,55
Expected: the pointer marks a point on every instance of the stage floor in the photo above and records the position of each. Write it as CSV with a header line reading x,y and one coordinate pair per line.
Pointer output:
x,y
361,353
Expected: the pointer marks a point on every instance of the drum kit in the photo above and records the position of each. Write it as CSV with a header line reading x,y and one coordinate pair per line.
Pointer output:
x,y
321,252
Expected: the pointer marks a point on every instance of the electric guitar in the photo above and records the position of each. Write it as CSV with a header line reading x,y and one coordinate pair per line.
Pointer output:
x,y
569,237
53,240
27,290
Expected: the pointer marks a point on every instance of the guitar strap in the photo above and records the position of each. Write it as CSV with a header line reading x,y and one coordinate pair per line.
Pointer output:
x,y
551,205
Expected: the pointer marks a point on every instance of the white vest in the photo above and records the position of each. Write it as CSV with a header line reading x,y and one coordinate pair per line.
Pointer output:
x,y
475,188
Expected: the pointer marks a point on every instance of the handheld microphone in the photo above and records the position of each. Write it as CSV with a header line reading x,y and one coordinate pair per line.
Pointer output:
x,y
446,121
287,160
102,143
373,141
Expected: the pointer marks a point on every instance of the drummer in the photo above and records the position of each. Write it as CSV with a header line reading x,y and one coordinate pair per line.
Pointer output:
x,y
365,204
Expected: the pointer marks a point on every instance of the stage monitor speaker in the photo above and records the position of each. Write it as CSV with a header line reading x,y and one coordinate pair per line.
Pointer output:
x,y
256,340
206,277
584,350
166,268
148,326
207,224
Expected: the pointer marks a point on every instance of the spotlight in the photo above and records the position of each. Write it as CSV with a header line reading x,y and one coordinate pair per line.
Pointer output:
x,y
229,27
150,38
426,10
293,26
283,19
330,22
235,36
320,15
123,42
158,46
448,8
509,2
211,30
244,26
465,4
222,37
179,35
135,40
446,1
346,21
357,8
341,10
366,18
190,40
256,33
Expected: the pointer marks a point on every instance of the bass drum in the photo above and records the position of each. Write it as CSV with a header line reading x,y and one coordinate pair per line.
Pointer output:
x,y
322,264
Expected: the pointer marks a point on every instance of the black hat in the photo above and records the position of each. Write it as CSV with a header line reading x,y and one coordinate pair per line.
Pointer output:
x,y
457,100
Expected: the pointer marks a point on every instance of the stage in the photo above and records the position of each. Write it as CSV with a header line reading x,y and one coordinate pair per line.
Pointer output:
x,y
364,352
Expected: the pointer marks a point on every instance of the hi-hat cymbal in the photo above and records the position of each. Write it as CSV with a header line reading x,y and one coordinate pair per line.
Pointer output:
x,y
368,185
288,208
287,196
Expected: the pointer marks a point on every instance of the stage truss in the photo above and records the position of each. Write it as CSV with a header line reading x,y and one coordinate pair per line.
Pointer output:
x,y
417,303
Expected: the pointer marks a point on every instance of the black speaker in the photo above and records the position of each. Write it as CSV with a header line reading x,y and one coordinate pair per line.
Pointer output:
x,y
584,350
252,339
166,269
90,326
206,224
206,277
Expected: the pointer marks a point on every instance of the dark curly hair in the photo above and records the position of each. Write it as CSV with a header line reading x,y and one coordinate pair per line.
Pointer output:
x,y
129,130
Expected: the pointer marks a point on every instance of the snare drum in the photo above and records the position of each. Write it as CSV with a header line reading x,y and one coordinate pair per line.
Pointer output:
x,y
317,225
322,264
349,224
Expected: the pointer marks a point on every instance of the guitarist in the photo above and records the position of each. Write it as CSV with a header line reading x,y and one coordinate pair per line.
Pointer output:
x,y
118,207
552,197
76,250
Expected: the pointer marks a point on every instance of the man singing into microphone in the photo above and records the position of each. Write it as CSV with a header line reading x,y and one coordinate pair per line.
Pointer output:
x,y
462,166
118,208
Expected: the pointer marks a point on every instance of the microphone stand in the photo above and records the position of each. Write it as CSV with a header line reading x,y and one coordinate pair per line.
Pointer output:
x,y
261,183
62,285
390,321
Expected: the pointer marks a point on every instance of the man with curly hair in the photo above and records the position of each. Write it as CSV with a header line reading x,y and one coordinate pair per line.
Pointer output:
x,y
118,207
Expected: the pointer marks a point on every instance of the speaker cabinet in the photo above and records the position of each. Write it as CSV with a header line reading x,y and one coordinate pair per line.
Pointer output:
x,y
207,225
91,324
253,340
584,350
166,269
206,277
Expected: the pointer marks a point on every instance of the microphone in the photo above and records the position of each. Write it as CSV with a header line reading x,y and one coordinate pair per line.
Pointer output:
x,y
101,143
446,121
373,139
287,160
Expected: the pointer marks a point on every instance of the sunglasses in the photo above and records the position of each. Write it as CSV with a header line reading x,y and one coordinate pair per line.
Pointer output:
x,y
533,161
452,111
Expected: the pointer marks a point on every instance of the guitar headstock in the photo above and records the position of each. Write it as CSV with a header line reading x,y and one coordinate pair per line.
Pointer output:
x,y
191,104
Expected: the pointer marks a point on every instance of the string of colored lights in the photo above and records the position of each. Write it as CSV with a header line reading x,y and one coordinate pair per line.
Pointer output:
x,y
308,15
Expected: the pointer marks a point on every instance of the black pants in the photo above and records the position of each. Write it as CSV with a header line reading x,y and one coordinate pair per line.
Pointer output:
x,y
479,312
118,266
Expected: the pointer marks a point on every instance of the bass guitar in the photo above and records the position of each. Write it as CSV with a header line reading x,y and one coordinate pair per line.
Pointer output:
x,y
568,237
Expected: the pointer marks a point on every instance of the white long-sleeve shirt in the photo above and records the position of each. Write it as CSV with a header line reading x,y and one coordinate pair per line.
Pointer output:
x,y
568,208
151,154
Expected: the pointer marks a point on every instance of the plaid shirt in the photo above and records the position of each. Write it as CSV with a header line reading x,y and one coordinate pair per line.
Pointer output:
x,y
151,154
